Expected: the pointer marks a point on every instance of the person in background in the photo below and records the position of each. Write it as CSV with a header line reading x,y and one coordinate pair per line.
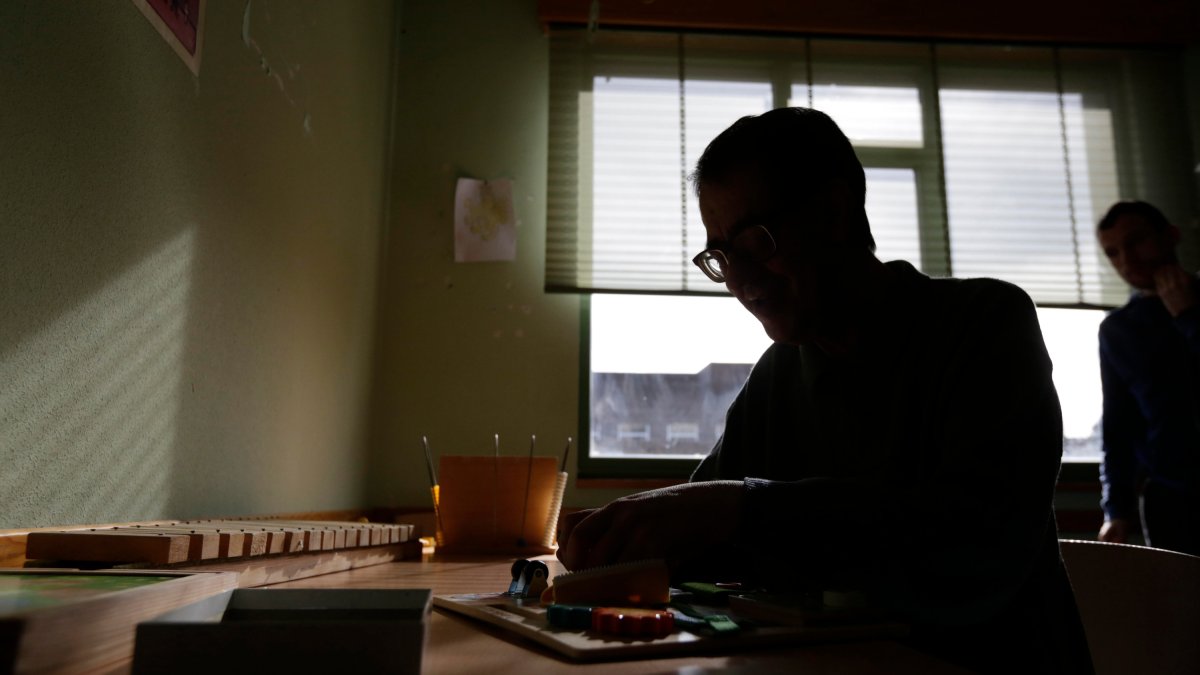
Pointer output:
x,y
901,438
1149,352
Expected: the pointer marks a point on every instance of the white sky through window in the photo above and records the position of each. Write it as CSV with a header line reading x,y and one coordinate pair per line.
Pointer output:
x,y
676,334
671,334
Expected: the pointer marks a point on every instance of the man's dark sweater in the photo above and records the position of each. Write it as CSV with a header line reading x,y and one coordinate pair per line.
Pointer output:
x,y
921,470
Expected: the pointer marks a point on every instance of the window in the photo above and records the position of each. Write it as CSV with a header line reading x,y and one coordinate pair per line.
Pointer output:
x,y
645,360
980,161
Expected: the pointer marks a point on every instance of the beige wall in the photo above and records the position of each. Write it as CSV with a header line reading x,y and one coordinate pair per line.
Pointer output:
x,y
188,265
469,349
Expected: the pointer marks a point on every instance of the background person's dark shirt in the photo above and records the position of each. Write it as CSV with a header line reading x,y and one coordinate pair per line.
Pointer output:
x,y
1151,423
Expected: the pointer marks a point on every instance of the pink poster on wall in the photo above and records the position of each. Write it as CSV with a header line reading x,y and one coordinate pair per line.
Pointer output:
x,y
180,23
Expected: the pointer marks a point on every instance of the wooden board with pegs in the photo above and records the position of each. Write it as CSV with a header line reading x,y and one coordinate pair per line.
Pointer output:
x,y
197,541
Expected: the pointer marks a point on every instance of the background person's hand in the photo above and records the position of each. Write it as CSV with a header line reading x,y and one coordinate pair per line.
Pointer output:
x,y
1115,531
1175,287
675,524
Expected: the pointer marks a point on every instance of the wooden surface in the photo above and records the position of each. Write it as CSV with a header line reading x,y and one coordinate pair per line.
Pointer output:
x,y
266,571
1140,606
95,633
462,645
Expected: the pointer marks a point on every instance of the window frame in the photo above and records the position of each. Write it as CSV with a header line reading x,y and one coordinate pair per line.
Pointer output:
x,y
928,167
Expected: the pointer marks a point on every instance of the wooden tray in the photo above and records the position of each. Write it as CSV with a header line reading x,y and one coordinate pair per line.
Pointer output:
x,y
60,620
527,619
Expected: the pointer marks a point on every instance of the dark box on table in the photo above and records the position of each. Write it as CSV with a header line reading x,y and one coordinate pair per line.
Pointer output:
x,y
289,630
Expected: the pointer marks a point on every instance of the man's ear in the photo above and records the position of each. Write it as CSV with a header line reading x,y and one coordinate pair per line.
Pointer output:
x,y
1174,235
840,225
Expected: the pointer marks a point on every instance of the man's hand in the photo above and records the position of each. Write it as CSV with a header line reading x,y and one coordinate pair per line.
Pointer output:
x,y
675,523
1115,531
566,525
1176,287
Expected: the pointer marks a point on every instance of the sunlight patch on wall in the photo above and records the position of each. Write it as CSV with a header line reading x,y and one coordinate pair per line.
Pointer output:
x,y
89,404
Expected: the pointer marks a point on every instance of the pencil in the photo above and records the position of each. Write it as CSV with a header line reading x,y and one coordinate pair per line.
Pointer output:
x,y
528,478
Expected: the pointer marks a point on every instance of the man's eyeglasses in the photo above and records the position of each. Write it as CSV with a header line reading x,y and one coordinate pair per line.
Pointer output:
x,y
754,244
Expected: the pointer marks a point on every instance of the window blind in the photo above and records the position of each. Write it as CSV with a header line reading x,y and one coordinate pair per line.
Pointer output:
x,y
981,160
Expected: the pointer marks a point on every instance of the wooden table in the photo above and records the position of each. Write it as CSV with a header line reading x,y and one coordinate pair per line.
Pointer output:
x,y
461,645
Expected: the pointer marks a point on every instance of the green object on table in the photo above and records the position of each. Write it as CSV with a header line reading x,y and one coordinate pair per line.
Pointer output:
x,y
721,624
574,617
21,592
707,591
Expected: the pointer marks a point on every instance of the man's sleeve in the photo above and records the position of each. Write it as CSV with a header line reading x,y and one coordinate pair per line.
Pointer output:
x,y
745,421
707,470
1121,424
1188,324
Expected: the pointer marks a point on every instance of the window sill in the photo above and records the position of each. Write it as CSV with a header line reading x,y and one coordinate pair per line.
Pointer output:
x,y
626,483
1080,475
1076,476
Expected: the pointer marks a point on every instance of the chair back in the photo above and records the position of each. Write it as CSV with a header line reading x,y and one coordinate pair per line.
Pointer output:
x,y
1140,606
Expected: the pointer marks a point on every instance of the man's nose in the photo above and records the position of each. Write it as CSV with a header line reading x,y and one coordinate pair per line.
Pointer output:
x,y
1123,261
733,275
739,271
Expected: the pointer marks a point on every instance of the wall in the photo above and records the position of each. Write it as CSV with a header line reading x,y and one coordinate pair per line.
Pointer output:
x,y
469,350
188,265
1191,80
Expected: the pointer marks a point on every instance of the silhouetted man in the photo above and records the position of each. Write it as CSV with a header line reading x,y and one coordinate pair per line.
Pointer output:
x,y
901,437
1148,367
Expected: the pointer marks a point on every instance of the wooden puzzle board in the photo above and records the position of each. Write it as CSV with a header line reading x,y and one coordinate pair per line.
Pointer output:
x,y
529,621
194,541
